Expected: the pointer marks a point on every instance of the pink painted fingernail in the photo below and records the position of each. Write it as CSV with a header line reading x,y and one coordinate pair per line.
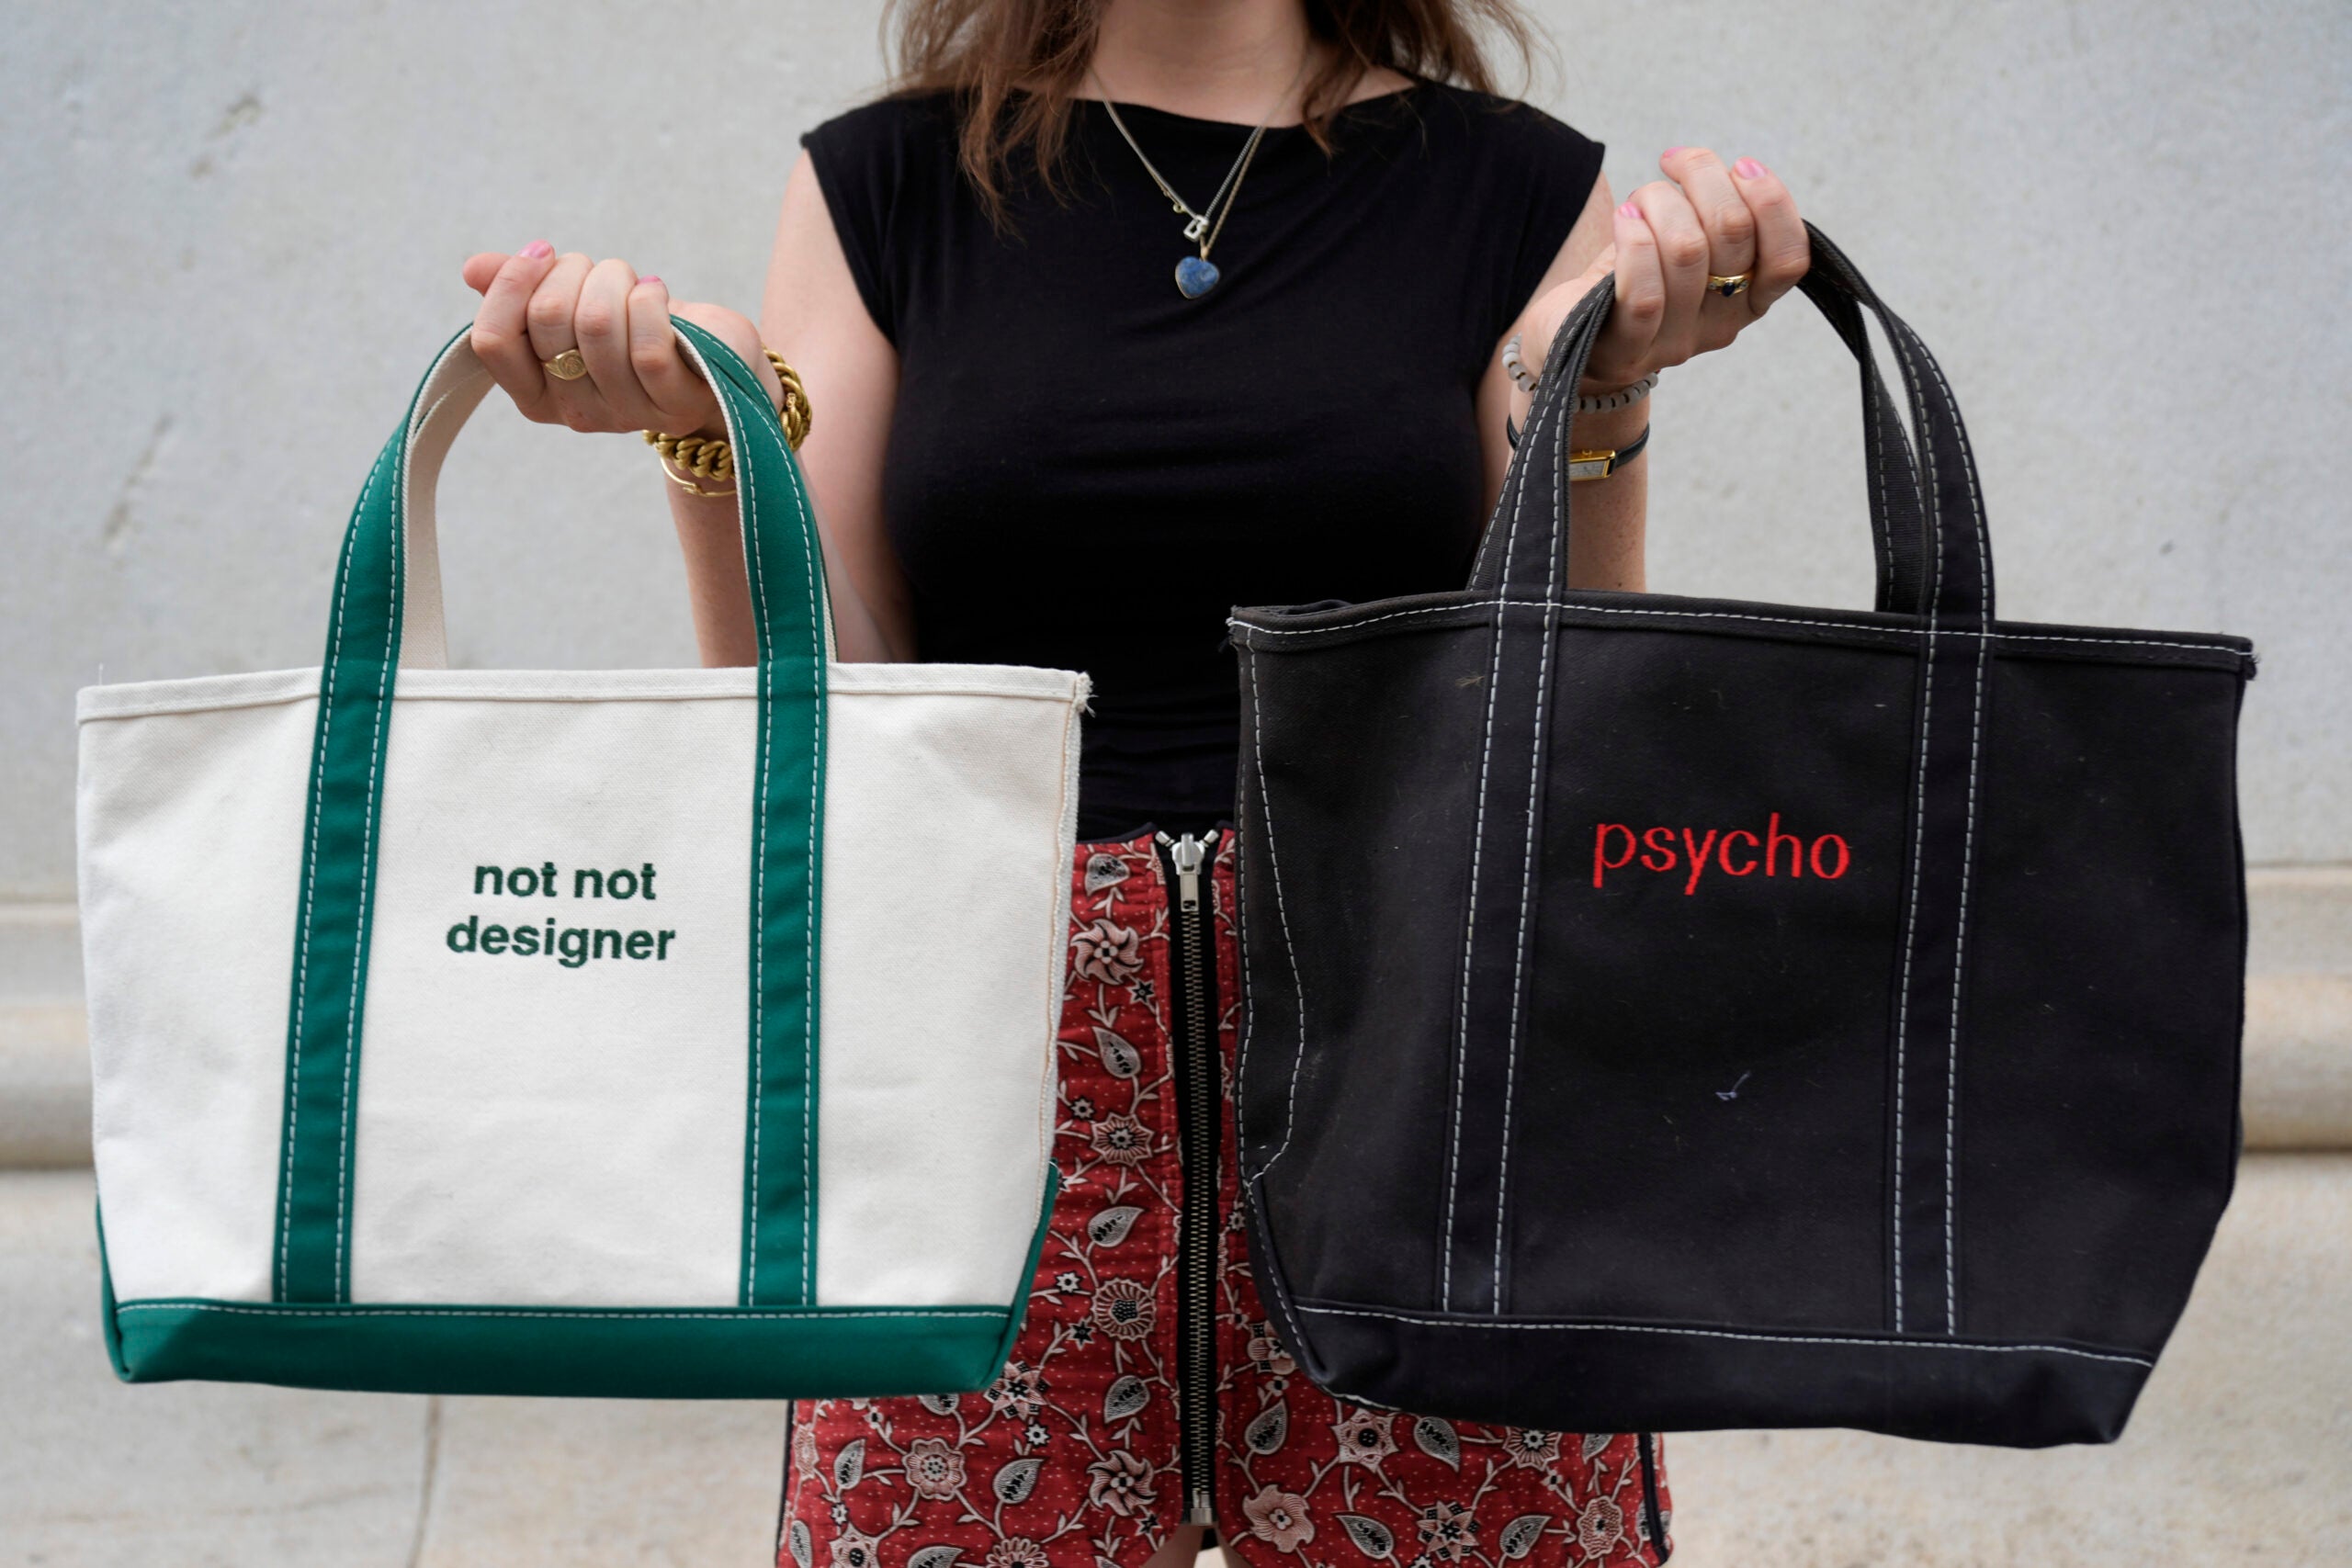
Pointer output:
x,y
1669,153
538,248
1629,211
648,277
1750,169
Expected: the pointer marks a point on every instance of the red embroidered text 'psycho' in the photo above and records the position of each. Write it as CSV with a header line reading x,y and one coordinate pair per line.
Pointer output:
x,y
1737,852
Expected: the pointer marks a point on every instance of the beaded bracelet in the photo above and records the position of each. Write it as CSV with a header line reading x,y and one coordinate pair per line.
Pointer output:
x,y
1622,398
1526,381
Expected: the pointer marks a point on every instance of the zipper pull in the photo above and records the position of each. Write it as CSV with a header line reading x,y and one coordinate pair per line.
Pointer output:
x,y
1188,852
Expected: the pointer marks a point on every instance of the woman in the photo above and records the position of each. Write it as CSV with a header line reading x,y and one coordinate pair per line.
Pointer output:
x,y
1073,406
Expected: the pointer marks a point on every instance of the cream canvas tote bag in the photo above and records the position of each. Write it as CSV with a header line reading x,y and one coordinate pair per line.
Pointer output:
x,y
679,1033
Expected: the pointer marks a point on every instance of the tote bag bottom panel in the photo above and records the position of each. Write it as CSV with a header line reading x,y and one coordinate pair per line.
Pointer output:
x,y
653,1353
1602,1377
640,1353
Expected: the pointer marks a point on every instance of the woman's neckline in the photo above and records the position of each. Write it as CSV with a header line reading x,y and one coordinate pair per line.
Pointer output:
x,y
1395,95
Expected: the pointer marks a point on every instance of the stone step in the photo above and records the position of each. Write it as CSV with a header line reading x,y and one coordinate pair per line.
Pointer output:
x,y
2297,1092
41,951
2236,1456
2297,1088
2297,1095
44,1085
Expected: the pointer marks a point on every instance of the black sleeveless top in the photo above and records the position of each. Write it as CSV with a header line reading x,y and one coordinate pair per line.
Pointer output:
x,y
1087,469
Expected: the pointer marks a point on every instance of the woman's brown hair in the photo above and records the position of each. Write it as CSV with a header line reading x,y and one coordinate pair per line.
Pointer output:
x,y
1014,65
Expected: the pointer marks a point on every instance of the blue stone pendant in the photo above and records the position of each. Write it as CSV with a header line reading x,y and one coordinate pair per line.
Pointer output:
x,y
1195,276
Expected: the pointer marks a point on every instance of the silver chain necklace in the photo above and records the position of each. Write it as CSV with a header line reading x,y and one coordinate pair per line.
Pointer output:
x,y
1195,276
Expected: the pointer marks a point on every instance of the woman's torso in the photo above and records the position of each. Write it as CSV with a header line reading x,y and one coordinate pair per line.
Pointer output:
x,y
1087,469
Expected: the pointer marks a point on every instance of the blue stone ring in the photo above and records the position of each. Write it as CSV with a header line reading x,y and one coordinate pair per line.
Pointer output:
x,y
1195,276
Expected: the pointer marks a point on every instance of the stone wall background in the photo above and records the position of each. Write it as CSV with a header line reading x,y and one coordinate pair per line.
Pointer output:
x,y
236,229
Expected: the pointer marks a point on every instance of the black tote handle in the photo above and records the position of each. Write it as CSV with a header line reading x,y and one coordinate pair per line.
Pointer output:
x,y
1933,549
1935,566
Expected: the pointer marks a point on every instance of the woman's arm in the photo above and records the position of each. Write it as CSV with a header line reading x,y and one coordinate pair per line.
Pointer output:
x,y
1660,246
536,304
813,314
1605,547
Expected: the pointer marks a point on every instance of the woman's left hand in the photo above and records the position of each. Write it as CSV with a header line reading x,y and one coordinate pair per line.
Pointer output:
x,y
1702,219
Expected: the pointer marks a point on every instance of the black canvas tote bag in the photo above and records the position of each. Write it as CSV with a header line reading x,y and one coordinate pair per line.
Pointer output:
x,y
1670,1013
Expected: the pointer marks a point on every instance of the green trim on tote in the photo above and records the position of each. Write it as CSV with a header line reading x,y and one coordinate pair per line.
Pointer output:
x,y
588,1353
800,1352
336,901
784,569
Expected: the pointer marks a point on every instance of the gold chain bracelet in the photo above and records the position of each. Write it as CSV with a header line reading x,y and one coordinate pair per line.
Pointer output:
x,y
710,457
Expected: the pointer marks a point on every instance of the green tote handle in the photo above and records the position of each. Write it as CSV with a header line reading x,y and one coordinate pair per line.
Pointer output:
x,y
387,613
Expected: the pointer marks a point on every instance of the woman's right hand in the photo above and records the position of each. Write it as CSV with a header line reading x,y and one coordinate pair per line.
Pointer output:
x,y
536,304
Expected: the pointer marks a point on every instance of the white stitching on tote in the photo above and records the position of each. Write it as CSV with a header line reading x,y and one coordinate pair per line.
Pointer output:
x,y
1282,915
809,899
1249,1025
808,890
1275,1281
1251,630
759,863
1436,1320
1968,855
808,1018
1470,920
1877,396
1527,863
1059,910
1902,1020
303,968
280,688
1248,995
366,874
1952,1065
1932,497
713,1314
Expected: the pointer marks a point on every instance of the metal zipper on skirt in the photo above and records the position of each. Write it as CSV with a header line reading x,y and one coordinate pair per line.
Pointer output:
x,y
1192,1033
1651,1515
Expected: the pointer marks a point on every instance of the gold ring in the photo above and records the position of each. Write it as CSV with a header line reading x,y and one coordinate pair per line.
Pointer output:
x,y
1729,288
566,366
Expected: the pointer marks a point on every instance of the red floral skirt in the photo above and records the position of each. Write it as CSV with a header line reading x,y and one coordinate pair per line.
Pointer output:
x,y
1070,1459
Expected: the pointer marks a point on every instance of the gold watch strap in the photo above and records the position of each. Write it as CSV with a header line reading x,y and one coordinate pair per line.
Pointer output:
x,y
1598,463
